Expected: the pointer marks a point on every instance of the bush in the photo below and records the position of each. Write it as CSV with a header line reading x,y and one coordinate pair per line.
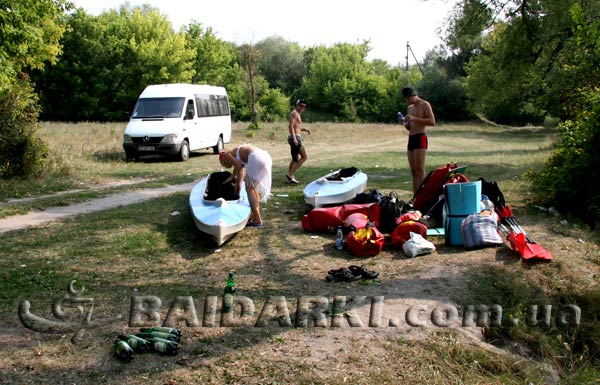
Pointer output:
x,y
22,153
570,180
274,105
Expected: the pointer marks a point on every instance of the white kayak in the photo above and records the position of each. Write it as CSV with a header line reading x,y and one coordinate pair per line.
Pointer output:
x,y
336,187
219,214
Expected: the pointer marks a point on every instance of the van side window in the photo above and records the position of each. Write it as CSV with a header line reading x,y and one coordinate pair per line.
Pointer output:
x,y
212,105
223,104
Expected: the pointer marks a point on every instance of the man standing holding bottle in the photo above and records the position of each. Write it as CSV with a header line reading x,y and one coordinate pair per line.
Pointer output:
x,y
418,116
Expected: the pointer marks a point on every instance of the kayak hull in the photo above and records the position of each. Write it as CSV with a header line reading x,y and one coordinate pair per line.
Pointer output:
x,y
325,191
220,218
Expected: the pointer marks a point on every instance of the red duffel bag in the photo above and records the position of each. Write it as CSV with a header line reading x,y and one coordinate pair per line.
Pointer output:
x,y
365,239
402,232
327,219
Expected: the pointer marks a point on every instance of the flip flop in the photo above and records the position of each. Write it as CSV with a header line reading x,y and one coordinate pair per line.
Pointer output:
x,y
254,224
344,275
291,180
363,272
335,271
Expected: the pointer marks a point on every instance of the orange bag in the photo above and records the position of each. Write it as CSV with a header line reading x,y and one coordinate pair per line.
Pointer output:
x,y
402,232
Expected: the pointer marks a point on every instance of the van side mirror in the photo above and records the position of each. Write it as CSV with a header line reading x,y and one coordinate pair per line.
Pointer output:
x,y
189,114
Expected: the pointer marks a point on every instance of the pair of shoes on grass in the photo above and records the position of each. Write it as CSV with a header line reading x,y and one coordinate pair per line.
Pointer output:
x,y
291,180
351,273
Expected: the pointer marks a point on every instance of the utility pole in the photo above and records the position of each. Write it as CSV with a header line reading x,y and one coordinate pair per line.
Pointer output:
x,y
408,48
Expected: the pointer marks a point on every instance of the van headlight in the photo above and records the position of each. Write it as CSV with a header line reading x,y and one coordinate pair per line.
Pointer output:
x,y
126,138
169,138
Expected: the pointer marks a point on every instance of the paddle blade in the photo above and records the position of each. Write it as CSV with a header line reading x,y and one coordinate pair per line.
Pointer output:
x,y
535,251
506,212
517,242
528,250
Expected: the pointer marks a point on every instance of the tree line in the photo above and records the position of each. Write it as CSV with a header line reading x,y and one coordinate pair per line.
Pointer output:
x,y
107,60
509,61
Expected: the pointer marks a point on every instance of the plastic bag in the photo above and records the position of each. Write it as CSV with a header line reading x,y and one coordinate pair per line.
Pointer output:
x,y
480,230
417,245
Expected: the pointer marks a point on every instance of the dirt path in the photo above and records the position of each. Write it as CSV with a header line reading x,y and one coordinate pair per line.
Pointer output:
x,y
36,218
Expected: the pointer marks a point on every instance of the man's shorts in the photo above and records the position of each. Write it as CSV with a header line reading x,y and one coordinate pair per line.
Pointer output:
x,y
417,142
295,150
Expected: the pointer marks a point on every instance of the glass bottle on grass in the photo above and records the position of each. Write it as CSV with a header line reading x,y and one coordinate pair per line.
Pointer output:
x,y
154,334
163,346
162,329
138,344
123,351
228,294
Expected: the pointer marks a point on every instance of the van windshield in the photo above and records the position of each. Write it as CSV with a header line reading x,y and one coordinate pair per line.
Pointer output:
x,y
158,108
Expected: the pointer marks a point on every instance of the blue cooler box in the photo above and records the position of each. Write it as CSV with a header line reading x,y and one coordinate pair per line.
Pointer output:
x,y
452,229
462,200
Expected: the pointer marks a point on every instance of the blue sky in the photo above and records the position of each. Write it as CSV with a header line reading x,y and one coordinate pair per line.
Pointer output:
x,y
387,24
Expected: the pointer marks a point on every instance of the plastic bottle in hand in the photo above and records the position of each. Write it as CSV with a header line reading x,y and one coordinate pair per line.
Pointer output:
x,y
401,118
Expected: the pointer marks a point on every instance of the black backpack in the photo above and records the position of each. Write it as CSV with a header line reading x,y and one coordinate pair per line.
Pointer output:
x,y
391,207
367,197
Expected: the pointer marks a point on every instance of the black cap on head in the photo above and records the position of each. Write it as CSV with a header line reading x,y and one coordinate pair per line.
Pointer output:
x,y
301,101
408,91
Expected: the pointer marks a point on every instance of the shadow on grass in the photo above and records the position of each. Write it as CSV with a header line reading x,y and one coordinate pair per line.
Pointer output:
x,y
119,156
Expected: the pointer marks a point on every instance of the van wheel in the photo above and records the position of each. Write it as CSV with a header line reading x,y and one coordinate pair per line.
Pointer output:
x,y
184,152
219,146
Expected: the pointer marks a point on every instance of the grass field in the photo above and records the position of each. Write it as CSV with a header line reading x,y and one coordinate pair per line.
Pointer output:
x,y
143,251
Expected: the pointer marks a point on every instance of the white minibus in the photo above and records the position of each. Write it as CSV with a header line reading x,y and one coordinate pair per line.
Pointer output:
x,y
175,119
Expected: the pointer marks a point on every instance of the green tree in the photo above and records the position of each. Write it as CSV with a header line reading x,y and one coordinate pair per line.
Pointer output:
x,y
273,105
519,76
214,58
216,62
466,25
341,84
447,96
110,59
571,178
30,31
281,63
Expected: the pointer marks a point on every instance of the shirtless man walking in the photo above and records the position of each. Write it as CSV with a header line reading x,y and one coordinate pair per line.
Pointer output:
x,y
418,116
295,140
